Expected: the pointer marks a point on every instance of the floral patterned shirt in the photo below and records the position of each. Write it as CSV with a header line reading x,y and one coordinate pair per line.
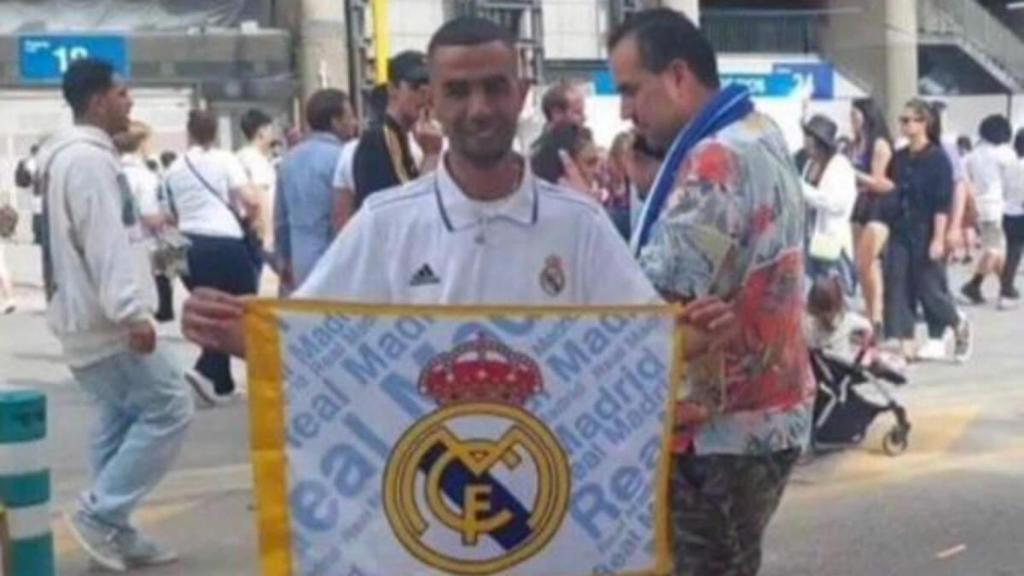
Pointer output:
x,y
733,228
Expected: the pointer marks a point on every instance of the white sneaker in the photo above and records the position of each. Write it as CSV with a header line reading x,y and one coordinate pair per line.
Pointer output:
x,y
98,541
932,351
203,388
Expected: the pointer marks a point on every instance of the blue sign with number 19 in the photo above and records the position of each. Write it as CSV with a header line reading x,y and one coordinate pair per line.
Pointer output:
x,y
44,59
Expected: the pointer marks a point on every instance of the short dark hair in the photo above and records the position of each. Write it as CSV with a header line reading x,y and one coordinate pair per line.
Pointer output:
x,y
323,106
469,31
964,143
663,36
546,162
84,79
253,120
556,99
995,129
167,157
202,127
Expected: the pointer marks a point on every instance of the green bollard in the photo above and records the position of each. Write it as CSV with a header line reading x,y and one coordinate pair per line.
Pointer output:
x,y
27,542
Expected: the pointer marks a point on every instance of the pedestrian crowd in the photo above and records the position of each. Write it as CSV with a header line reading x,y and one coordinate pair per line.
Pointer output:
x,y
429,202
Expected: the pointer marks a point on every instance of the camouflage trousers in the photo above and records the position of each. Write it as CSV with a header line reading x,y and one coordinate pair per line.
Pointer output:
x,y
721,505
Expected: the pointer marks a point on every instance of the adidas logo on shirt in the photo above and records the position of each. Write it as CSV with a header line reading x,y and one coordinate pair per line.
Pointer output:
x,y
424,276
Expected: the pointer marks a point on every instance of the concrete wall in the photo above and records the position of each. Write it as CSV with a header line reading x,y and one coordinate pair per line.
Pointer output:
x,y
965,113
413,22
875,44
574,29
321,48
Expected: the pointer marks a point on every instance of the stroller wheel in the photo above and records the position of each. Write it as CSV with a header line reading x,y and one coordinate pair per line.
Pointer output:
x,y
895,441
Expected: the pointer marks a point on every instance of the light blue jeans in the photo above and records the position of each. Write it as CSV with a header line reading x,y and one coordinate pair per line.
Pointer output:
x,y
144,411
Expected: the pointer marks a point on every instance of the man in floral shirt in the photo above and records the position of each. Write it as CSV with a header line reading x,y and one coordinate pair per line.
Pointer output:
x,y
723,220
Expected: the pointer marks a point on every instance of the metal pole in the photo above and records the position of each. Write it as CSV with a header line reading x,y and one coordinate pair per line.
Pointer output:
x,y
25,484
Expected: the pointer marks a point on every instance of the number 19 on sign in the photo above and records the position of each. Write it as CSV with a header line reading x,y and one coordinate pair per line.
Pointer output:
x,y
45,59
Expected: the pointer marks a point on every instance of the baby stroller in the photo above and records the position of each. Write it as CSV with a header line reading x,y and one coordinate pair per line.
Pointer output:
x,y
842,414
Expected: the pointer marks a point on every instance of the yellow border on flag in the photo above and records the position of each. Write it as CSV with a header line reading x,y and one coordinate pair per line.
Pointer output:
x,y
267,430
267,407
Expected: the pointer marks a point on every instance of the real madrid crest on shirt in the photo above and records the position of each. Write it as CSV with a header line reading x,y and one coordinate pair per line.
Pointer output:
x,y
480,485
552,276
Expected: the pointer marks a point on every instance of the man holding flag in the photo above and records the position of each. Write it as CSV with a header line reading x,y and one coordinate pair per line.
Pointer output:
x,y
481,229
723,219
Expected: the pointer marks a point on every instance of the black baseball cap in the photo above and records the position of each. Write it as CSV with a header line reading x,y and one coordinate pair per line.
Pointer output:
x,y
409,66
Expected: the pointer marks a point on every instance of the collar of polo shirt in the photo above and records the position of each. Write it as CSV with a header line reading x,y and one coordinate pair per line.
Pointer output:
x,y
460,211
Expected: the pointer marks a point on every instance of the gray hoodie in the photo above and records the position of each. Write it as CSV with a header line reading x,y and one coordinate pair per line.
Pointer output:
x,y
100,261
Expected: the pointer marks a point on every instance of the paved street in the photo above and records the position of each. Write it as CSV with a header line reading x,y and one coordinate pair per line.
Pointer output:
x,y
951,505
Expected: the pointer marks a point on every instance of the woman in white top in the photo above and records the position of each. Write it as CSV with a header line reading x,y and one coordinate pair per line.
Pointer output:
x,y
142,180
203,188
1013,225
133,144
830,190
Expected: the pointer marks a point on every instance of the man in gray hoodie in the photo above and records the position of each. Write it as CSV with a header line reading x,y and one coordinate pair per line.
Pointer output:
x,y
101,306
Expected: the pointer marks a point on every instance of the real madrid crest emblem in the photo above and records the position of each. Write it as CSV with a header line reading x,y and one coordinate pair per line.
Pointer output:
x,y
480,485
552,276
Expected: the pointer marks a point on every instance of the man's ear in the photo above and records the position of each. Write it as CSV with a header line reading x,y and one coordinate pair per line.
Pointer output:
x,y
677,76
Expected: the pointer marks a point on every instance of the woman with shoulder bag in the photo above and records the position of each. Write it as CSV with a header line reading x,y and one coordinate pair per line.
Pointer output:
x,y
205,187
168,247
830,189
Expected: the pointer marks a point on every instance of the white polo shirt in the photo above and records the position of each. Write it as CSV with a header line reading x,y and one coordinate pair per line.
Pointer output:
x,y
428,243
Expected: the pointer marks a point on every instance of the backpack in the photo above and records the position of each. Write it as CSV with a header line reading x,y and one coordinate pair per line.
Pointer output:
x,y
22,175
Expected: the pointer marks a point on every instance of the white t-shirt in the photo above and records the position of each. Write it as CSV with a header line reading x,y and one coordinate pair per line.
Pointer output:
x,y
198,210
428,243
343,175
1015,188
987,167
260,172
145,185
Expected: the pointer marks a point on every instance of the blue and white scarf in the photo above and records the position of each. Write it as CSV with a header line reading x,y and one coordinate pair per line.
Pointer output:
x,y
729,105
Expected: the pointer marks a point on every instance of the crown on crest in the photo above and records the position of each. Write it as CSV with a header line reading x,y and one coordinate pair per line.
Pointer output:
x,y
482,370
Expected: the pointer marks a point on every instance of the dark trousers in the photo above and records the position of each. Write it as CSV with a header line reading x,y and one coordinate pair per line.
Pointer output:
x,y
1014,228
165,298
912,278
223,264
721,506
37,229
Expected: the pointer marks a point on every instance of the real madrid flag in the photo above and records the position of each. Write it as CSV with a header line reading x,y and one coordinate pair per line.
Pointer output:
x,y
405,441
